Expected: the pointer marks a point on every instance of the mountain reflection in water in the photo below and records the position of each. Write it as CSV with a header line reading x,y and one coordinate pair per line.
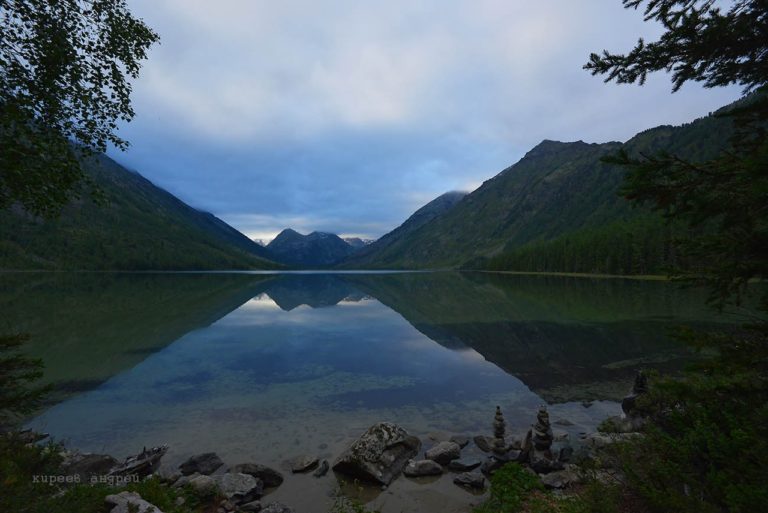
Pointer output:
x,y
279,362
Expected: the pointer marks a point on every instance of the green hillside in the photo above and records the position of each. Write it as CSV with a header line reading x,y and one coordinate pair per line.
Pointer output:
x,y
557,209
376,255
140,227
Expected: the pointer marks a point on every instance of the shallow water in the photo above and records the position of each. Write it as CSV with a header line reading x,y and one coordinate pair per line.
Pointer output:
x,y
265,367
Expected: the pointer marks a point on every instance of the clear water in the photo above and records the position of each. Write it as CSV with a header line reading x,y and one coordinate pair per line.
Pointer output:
x,y
265,367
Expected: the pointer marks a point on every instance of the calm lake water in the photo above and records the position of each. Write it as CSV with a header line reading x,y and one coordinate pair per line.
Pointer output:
x,y
265,367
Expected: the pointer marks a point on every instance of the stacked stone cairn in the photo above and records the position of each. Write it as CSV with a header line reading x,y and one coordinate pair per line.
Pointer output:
x,y
537,448
499,430
640,387
501,452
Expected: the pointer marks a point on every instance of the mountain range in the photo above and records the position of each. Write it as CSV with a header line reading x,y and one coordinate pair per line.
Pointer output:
x,y
557,209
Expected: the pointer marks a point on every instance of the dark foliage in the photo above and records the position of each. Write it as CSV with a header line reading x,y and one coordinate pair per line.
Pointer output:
x,y
18,394
701,43
64,78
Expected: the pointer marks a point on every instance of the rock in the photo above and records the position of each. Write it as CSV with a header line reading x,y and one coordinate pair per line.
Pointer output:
x,y
254,506
560,479
184,480
474,480
276,507
561,436
499,428
543,462
271,477
438,436
205,464
565,454
130,502
419,468
322,469
464,464
484,443
203,484
460,440
86,466
239,488
303,463
168,476
379,454
563,422
444,452
143,464
495,462
180,501
640,387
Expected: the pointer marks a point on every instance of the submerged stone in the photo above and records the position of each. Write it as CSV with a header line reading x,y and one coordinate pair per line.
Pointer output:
x,y
269,476
420,468
303,463
205,463
464,464
322,469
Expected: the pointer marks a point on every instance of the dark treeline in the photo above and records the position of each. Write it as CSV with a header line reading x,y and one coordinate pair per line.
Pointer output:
x,y
644,245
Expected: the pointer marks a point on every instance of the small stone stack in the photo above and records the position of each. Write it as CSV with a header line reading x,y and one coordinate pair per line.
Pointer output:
x,y
537,450
499,430
542,431
640,387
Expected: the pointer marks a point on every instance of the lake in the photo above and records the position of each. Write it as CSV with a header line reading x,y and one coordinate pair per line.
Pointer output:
x,y
263,367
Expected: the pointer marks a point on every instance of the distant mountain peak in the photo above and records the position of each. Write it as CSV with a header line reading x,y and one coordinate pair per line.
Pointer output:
x,y
316,249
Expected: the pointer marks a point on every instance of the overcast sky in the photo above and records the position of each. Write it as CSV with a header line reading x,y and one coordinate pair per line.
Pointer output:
x,y
346,116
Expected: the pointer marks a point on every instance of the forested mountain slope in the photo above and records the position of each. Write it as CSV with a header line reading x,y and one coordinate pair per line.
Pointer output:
x,y
139,227
557,190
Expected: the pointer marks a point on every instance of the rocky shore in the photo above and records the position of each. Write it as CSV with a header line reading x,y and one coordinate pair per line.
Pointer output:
x,y
377,458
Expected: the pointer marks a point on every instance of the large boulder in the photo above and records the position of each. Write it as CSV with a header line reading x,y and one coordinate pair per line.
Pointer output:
x,y
269,476
205,463
379,455
444,452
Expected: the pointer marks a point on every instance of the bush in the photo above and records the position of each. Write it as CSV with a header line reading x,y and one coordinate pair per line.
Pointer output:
x,y
705,447
510,487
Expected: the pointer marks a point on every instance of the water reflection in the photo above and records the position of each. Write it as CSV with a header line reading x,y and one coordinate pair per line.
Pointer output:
x,y
269,366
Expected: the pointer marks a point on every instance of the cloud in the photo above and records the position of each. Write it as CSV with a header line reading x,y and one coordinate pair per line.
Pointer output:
x,y
347,116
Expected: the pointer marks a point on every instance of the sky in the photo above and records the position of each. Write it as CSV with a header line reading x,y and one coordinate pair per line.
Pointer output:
x,y
348,115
